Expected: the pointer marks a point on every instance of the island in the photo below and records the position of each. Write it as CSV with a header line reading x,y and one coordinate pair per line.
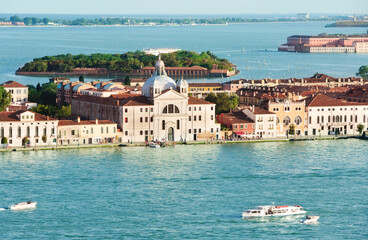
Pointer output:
x,y
326,43
349,23
135,64
139,21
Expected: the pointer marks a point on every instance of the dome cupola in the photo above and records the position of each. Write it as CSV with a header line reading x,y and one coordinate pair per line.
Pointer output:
x,y
159,81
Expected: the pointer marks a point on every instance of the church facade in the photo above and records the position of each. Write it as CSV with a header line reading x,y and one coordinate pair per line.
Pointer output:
x,y
163,112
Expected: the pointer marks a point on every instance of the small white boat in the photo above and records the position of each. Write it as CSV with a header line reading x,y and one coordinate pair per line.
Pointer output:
x,y
310,219
154,145
273,211
23,205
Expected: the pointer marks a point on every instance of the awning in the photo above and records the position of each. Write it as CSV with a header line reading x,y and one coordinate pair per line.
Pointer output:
x,y
240,133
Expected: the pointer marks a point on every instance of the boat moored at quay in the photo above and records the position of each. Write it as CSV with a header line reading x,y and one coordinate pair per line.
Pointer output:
x,y
273,211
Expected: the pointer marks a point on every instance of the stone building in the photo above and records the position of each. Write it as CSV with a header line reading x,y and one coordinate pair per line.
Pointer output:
x,y
87,132
24,126
164,111
18,91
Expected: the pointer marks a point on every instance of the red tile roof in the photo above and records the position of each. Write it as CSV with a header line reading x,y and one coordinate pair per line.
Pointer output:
x,y
89,122
13,84
258,110
117,99
12,116
325,101
197,101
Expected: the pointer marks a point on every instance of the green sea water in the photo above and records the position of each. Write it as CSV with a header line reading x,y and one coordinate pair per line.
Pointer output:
x,y
186,192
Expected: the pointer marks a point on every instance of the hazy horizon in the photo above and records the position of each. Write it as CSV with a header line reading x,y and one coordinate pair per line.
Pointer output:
x,y
189,7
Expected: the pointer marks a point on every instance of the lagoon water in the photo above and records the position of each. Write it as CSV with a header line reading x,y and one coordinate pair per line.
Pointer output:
x,y
252,47
186,192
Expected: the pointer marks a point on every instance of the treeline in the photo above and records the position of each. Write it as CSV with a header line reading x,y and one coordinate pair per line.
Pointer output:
x,y
45,97
348,24
29,21
123,62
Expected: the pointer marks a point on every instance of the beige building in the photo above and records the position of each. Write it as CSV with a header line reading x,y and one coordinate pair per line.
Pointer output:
x,y
25,126
72,132
19,92
289,112
163,112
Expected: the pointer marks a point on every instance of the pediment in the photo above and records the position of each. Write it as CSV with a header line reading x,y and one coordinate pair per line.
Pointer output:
x,y
171,94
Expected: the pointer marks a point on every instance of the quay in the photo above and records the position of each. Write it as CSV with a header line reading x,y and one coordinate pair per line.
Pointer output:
x,y
142,144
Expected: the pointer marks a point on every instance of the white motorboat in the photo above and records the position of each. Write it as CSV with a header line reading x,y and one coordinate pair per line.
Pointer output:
x,y
273,211
23,205
154,145
310,219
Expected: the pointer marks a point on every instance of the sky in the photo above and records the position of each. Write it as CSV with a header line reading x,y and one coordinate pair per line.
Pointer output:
x,y
191,7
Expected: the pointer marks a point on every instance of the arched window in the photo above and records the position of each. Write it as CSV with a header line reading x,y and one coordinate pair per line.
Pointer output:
x,y
171,108
286,120
36,133
10,132
28,131
298,120
163,124
2,132
19,131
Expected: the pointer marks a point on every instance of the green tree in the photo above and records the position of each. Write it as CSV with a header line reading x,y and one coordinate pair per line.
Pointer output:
x,y
46,21
81,79
5,98
15,18
24,141
48,94
127,81
64,112
363,72
4,140
212,97
291,129
360,128
27,21
234,99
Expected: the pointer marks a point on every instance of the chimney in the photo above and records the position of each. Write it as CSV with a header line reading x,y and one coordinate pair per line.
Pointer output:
x,y
96,121
117,102
78,119
47,118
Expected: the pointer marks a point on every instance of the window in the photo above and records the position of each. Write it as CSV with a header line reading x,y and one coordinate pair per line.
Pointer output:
x,y
36,131
211,108
241,126
286,120
199,118
73,132
10,132
101,129
141,119
126,133
171,108
28,131
190,109
151,119
190,118
141,132
211,117
141,109
146,109
146,119
235,126
126,110
190,131
163,124
195,108
126,120
107,129
91,130
298,120
195,118
199,108
178,124
151,132
199,130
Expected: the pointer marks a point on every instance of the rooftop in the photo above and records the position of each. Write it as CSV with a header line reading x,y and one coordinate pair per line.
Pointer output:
x,y
13,84
13,116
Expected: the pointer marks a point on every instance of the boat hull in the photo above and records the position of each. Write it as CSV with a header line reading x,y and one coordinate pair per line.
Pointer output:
x,y
23,206
274,215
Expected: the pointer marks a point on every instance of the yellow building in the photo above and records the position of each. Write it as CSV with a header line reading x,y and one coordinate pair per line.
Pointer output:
x,y
289,112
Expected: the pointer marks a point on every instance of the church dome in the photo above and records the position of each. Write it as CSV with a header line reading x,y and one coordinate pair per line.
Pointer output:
x,y
159,80
182,83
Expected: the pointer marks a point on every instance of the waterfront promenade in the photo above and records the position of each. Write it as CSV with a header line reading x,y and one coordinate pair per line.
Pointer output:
x,y
172,144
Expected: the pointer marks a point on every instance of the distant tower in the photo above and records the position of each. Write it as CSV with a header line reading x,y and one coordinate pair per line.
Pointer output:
x,y
182,86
